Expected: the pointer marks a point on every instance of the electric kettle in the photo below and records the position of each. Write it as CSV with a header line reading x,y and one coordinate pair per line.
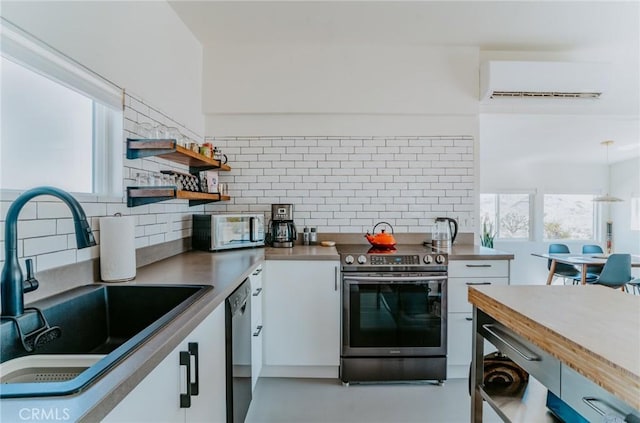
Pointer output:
x,y
444,232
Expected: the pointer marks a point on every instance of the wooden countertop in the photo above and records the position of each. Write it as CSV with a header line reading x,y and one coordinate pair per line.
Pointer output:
x,y
592,329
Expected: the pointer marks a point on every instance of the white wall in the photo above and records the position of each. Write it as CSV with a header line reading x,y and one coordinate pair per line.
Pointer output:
x,y
336,89
625,184
143,47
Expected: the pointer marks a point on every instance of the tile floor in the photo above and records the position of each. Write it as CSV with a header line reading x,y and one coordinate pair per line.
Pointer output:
x,y
280,400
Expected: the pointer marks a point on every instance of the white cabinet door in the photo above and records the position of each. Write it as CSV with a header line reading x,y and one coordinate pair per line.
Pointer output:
x,y
257,295
157,396
462,274
302,313
210,403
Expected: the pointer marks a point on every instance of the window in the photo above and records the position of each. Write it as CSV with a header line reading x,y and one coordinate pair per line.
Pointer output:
x,y
61,125
508,214
569,216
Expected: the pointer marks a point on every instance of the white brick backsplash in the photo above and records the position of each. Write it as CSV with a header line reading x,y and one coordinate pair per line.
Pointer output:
x,y
45,244
350,183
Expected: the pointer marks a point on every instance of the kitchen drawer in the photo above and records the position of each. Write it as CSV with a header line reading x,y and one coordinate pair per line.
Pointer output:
x,y
590,400
457,291
541,365
478,268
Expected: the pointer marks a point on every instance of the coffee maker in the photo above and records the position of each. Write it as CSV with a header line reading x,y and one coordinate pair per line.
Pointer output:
x,y
282,231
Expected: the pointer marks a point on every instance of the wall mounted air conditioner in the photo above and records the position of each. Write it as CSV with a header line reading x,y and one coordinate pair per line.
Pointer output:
x,y
553,80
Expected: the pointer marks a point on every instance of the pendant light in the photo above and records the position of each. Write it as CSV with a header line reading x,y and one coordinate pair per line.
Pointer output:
x,y
607,198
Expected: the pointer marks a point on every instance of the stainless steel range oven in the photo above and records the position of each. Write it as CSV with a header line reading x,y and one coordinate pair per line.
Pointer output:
x,y
394,308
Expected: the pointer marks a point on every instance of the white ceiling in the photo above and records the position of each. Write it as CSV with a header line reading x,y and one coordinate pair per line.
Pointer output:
x,y
503,25
604,31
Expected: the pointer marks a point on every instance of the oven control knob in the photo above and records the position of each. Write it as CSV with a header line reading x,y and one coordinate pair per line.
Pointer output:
x,y
362,259
348,259
427,259
440,259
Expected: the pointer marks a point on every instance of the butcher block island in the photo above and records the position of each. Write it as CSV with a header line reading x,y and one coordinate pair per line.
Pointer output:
x,y
582,343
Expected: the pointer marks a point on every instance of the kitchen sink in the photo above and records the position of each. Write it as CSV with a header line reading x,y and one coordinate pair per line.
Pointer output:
x,y
42,368
99,326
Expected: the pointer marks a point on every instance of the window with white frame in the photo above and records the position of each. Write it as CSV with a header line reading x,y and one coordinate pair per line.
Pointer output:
x,y
569,216
61,124
506,215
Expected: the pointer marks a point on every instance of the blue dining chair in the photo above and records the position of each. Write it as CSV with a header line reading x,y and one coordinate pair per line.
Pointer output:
x,y
634,286
567,271
593,249
616,272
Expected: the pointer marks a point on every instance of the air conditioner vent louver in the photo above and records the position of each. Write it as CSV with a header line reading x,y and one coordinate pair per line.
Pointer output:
x,y
543,80
543,94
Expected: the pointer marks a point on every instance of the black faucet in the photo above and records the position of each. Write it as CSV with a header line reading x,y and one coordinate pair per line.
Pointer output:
x,y
12,286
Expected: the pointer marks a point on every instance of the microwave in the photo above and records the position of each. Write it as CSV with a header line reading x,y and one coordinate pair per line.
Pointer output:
x,y
213,232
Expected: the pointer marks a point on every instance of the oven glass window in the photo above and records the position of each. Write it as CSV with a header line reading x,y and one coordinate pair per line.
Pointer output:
x,y
395,315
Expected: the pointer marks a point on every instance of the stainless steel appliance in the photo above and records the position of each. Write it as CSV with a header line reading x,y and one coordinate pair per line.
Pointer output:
x,y
282,232
394,308
238,352
444,232
212,232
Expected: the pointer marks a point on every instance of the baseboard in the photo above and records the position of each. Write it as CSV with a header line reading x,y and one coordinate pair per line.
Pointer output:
x,y
330,372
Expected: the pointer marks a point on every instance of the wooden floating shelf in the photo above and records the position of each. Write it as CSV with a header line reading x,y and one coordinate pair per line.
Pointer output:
x,y
137,196
170,150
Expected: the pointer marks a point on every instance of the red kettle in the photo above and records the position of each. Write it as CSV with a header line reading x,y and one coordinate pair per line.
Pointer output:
x,y
383,239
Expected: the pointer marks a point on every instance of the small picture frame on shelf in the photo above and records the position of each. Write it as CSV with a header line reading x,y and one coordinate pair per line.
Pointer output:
x,y
209,181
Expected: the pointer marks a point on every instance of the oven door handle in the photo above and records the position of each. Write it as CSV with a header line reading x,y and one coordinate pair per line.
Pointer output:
x,y
393,278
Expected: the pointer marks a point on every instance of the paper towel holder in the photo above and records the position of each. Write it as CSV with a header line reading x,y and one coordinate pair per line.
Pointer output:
x,y
117,249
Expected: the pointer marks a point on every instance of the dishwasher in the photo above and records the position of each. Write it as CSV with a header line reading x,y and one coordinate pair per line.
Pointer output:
x,y
238,352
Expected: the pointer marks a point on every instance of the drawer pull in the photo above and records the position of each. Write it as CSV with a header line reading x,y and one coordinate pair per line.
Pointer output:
x,y
477,283
493,331
478,265
590,402
258,291
469,319
185,360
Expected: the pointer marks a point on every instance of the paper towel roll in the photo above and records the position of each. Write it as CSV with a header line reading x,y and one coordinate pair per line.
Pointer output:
x,y
117,249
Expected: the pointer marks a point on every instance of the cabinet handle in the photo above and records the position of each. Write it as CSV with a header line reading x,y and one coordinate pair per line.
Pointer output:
x,y
469,319
335,278
477,283
491,329
478,265
257,272
257,332
258,291
590,402
193,351
185,360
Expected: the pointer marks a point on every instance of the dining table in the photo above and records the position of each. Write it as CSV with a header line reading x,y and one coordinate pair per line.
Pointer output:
x,y
579,260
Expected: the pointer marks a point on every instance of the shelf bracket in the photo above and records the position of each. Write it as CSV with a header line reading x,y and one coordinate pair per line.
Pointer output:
x,y
139,196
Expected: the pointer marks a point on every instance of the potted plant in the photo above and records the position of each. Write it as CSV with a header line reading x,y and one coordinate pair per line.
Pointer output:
x,y
488,234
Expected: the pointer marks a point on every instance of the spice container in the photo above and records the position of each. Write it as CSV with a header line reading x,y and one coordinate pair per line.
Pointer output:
x,y
313,236
305,236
